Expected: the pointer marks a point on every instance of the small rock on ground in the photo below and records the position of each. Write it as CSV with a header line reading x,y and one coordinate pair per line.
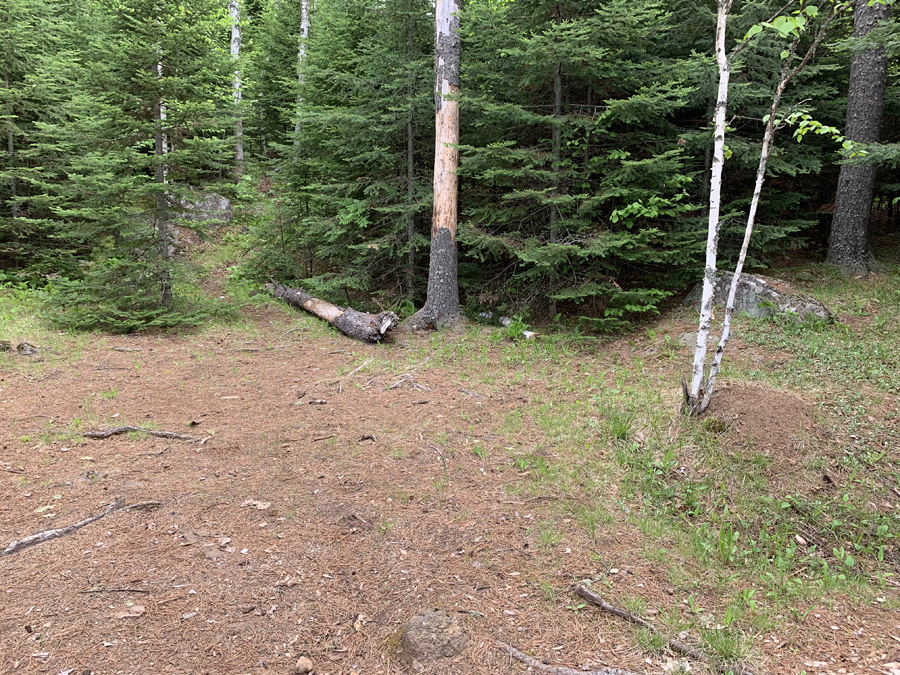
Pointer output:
x,y
431,635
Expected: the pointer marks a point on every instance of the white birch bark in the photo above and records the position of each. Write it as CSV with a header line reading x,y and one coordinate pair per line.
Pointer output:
x,y
787,74
301,57
694,395
234,11
160,216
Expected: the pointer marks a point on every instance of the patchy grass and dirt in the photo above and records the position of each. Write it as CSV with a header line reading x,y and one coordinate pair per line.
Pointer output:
x,y
334,489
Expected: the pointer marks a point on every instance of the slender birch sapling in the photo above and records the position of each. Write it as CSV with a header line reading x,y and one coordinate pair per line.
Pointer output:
x,y
697,399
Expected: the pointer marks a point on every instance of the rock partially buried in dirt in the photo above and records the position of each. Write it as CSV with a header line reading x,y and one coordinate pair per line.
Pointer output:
x,y
304,666
431,635
760,297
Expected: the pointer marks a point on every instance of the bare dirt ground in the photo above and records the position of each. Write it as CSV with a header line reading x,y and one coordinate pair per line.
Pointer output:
x,y
314,514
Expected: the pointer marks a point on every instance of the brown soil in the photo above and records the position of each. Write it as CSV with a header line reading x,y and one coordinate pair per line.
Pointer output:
x,y
316,514
763,420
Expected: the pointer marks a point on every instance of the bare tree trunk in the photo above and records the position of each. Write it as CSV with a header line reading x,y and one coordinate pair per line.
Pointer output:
x,y
160,216
235,12
11,150
410,175
301,57
557,154
848,245
694,396
442,304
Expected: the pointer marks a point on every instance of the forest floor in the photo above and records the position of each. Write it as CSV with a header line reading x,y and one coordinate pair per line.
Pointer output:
x,y
335,489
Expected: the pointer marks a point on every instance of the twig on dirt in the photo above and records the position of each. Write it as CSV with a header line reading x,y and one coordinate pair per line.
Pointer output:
x,y
350,374
259,349
18,545
106,433
322,438
676,646
12,470
153,454
111,368
341,351
403,378
558,670
103,589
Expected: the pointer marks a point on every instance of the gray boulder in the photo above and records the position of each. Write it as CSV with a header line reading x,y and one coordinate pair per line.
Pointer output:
x,y
759,297
431,635
212,208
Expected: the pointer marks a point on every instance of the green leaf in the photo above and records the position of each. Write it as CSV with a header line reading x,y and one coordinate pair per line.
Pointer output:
x,y
785,54
754,30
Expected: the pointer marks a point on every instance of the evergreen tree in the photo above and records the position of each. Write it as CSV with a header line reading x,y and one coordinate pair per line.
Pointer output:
x,y
349,193
151,120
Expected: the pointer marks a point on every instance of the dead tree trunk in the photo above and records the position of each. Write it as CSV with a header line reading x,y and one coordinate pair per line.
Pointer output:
x,y
442,303
357,325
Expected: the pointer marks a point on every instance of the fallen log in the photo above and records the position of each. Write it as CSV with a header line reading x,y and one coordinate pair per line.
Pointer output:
x,y
357,325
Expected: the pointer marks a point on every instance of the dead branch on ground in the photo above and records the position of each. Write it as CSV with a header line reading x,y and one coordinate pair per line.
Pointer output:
x,y
19,545
106,433
558,670
676,646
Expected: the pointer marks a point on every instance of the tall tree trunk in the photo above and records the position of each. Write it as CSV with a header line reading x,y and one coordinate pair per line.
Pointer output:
x,y
235,12
442,304
301,57
160,215
410,173
694,396
848,246
10,149
557,154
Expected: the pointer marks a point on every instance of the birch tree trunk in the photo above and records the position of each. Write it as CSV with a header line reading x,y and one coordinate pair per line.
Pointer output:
x,y
234,11
694,396
697,402
301,57
442,303
160,215
848,245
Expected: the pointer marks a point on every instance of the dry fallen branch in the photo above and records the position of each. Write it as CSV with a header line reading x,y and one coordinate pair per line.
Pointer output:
x,y
18,545
558,670
106,433
102,589
676,646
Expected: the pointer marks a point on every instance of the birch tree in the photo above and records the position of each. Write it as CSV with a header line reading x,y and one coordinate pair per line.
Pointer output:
x,y
301,58
235,13
697,398
442,302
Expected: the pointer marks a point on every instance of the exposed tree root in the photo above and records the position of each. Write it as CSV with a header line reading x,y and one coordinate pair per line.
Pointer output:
x,y
106,433
558,670
18,545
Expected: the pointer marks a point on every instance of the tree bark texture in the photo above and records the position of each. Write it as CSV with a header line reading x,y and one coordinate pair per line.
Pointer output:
x,y
11,150
442,303
301,57
357,325
235,12
410,173
848,245
695,394
557,152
